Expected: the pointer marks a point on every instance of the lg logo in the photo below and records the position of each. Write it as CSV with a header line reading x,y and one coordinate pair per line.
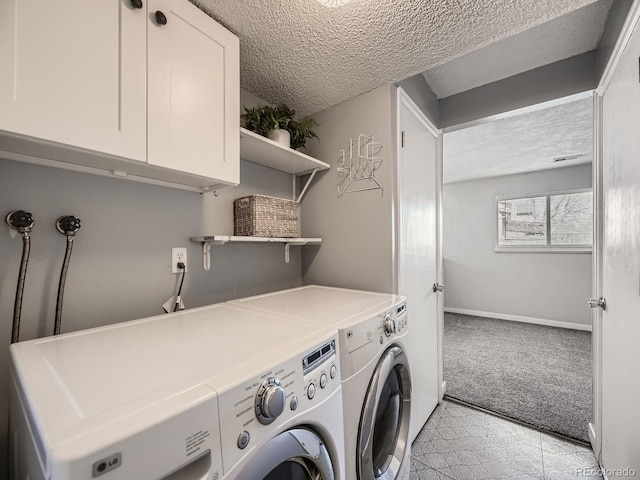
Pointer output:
x,y
107,464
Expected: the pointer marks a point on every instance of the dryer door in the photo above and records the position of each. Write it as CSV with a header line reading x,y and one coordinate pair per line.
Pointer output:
x,y
297,454
384,425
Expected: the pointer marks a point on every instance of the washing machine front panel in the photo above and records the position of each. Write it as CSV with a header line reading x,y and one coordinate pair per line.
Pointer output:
x,y
383,434
178,435
277,396
296,454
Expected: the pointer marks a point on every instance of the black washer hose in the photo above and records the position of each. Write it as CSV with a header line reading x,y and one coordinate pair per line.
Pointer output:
x,y
63,279
68,226
17,307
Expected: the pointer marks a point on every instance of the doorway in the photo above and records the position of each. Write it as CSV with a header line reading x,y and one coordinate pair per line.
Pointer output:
x,y
517,264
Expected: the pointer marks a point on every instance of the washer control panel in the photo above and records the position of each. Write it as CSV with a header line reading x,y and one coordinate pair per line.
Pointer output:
x,y
393,322
364,339
253,408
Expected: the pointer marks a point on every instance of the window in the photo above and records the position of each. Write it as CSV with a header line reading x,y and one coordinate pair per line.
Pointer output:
x,y
558,221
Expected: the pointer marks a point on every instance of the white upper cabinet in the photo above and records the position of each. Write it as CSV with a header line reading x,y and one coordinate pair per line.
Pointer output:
x,y
193,72
139,97
74,73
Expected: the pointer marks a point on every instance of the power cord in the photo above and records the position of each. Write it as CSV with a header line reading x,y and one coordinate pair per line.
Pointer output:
x,y
181,266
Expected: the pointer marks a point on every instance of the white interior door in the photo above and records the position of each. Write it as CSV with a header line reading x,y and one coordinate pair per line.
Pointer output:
x,y
620,188
419,185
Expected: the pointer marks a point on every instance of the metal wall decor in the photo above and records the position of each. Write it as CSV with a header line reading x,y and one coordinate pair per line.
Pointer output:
x,y
360,164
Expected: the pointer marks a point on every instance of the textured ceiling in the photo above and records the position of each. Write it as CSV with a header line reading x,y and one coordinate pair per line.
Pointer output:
x,y
572,34
521,143
313,57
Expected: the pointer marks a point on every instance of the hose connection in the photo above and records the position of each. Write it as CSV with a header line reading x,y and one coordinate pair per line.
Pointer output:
x,y
68,225
20,220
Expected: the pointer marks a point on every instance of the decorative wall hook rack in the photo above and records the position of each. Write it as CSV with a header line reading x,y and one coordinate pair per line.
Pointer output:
x,y
360,164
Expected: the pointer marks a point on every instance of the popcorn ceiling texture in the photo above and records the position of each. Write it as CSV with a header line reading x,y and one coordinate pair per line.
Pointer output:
x,y
523,143
312,57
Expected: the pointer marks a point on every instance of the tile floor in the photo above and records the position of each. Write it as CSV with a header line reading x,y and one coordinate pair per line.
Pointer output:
x,y
461,443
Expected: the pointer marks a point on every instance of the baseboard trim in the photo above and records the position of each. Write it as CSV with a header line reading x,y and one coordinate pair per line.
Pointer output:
x,y
518,318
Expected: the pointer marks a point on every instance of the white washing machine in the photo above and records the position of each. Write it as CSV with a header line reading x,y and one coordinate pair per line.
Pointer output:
x,y
209,393
376,381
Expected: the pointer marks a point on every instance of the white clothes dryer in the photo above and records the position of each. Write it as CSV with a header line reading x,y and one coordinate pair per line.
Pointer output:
x,y
376,380
199,394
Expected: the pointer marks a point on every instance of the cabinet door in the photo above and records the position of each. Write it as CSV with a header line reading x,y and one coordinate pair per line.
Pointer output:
x,y
73,72
193,93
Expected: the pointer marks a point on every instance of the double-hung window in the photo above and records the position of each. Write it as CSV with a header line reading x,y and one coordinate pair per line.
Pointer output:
x,y
547,222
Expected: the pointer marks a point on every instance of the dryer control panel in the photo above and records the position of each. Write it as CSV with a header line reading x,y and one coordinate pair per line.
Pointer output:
x,y
251,411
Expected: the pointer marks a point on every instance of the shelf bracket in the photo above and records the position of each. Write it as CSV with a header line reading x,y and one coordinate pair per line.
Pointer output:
x,y
286,249
304,190
206,252
206,256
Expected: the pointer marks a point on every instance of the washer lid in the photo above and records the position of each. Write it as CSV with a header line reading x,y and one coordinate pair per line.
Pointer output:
x,y
328,305
86,379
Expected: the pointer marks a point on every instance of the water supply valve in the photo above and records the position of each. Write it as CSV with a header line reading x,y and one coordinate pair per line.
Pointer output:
x,y
20,220
68,225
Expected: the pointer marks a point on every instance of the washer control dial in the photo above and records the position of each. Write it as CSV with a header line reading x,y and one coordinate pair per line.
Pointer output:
x,y
323,380
389,325
332,371
270,401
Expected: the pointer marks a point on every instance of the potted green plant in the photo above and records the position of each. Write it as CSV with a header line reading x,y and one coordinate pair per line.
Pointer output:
x,y
278,124
282,118
258,119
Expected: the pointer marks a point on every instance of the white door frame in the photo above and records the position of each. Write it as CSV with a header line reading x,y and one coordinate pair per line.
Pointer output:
x,y
404,99
595,427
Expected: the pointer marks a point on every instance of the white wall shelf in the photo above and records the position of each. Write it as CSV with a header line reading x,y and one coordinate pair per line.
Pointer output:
x,y
258,149
208,241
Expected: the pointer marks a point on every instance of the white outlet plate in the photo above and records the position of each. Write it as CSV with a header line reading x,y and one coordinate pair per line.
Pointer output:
x,y
178,254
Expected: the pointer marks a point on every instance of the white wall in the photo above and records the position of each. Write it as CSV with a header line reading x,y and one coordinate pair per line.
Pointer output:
x,y
120,266
357,246
548,286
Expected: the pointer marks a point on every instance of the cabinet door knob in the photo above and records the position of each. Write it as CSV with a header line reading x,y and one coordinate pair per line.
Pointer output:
x,y
161,18
136,3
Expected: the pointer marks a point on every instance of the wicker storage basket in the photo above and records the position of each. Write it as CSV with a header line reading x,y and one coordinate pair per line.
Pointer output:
x,y
264,216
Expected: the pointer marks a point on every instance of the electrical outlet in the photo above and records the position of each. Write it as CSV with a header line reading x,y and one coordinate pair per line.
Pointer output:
x,y
178,254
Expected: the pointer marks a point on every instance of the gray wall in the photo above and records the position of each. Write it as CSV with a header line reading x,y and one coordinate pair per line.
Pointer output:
x,y
612,29
560,79
120,268
420,92
551,286
357,246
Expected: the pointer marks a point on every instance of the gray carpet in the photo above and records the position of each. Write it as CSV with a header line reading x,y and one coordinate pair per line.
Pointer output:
x,y
536,374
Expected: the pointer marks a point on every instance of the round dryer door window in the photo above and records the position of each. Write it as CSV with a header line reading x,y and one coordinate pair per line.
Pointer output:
x,y
297,454
384,426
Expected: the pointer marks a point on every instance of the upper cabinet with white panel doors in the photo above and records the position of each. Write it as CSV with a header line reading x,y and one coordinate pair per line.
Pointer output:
x,y
144,88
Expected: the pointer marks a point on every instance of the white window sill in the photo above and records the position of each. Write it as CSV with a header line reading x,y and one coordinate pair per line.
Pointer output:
x,y
544,249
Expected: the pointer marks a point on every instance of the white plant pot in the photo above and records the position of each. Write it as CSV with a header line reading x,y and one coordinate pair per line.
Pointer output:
x,y
283,137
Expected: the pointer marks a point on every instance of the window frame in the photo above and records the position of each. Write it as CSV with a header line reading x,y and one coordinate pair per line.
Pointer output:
x,y
548,248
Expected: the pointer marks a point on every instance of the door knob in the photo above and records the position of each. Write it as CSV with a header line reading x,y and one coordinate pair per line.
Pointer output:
x,y
136,3
438,288
598,303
